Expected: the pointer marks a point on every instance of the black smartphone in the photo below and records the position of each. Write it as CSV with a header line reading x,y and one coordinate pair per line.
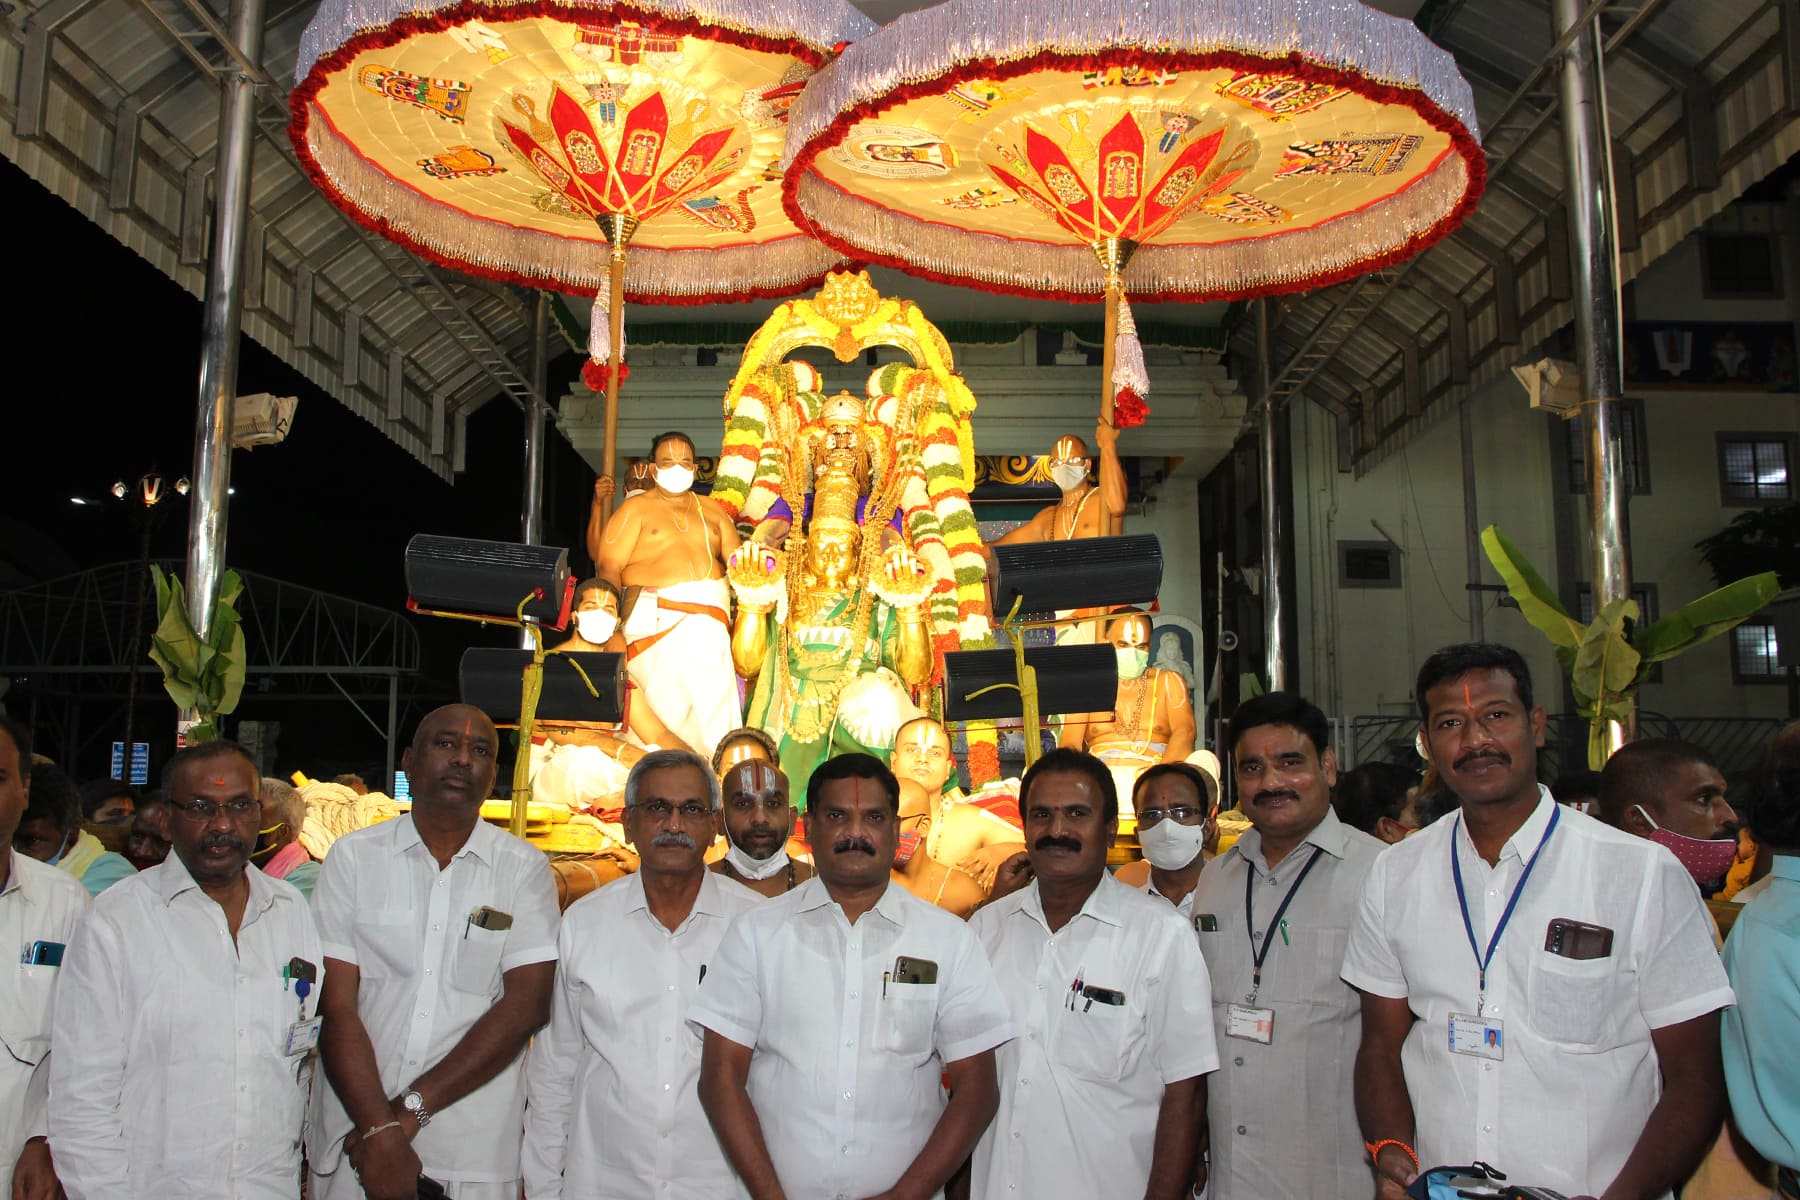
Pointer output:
x,y
431,1189
914,970
1104,995
1577,939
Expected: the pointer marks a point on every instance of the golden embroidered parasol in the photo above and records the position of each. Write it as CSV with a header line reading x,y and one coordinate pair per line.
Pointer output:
x,y
1174,149
534,142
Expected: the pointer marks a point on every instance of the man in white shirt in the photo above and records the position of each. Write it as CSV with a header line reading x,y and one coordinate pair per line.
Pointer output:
x,y
833,1014
1105,1094
1540,991
1273,914
186,1014
39,906
440,939
612,1111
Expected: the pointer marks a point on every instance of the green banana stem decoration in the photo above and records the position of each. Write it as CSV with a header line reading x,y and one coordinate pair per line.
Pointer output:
x,y
204,676
1608,659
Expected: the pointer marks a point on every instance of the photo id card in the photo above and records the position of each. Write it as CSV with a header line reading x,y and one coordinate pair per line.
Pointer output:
x,y
1249,1023
302,1036
1479,1037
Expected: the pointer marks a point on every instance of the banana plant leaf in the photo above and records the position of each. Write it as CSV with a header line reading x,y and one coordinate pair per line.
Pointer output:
x,y
1537,601
1706,618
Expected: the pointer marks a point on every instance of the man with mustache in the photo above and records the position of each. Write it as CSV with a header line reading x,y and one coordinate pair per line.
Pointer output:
x,y
757,819
1105,1094
1540,991
440,943
186,1013
1273,914
613,1113
1672,793
835,1014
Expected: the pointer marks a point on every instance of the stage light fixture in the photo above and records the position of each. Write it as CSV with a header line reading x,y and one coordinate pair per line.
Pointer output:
x,y
1043,577
490,681
481,580
983,684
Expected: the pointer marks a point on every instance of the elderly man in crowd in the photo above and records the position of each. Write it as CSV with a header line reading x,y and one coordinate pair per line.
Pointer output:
x,y
835,1015
757,820
1175,805
39,906
1274,913
284,815
1105,1093
613,1112
1540,991
1762,957
1672,793
440,944
186,1015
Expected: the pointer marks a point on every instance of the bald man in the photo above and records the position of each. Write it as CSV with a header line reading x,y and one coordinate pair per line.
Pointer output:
x,y
439,933
1085,510
757,818
974,836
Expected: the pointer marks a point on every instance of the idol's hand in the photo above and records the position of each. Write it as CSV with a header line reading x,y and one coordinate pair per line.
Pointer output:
x,y
757,574
903,581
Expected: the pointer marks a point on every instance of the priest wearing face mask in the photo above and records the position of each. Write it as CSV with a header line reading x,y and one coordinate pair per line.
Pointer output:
x,y
1175,804
757,818
1671,792
1152,720
667,548
1086,510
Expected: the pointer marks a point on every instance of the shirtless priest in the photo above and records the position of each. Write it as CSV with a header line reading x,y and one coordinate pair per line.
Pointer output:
x,y
975,836
667,548
1152,720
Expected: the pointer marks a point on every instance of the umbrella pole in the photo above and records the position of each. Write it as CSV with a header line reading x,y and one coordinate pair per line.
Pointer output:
x,y
1114,253
615,319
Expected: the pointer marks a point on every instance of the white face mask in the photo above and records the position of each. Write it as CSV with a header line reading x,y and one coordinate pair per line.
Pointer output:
x,y
1069,476
675,479
1132,660
1169,845
596,625
751,868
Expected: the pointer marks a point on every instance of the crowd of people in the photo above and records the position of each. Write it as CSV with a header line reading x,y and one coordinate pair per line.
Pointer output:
x,y
1380,986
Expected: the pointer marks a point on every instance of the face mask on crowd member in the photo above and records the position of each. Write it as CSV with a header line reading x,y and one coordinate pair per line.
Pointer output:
x,y
1131,643
1174,815
1671,792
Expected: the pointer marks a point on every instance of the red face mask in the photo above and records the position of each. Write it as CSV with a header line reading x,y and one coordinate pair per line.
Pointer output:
x,y
1706,859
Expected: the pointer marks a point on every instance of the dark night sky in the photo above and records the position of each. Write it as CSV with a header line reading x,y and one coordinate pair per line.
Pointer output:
x,y
103,377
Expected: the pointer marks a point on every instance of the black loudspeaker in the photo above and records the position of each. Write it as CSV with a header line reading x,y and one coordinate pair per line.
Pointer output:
x,y
492,679
1070,679
1080,573
488,579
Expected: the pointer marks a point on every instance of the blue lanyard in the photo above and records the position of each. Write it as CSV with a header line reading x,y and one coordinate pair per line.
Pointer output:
x,y
1481,960
1259,953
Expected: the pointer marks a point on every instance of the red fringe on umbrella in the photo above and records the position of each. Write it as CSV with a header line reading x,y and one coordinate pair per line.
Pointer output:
x,y
1129,409
597,374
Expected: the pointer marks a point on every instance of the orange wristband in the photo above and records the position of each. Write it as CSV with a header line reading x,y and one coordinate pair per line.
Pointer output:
x,y
1375,1149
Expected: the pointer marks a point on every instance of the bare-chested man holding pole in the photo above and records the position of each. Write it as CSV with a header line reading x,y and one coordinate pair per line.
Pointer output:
x,y
1086,510
667,548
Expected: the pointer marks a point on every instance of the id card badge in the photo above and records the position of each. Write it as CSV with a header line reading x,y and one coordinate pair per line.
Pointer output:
x,y
1478,1037
303,1036
1250,1023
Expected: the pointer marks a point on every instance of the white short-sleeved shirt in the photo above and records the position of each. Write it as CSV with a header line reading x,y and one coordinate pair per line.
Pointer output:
x,y
1283,1116
847,1075
171,1076
1081,1085
1565,1106
427,974
613,1108
38,904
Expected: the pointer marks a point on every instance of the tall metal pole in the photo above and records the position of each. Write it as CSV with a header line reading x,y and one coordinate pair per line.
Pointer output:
x,y
531,521
1593,245
222,316
1471,523
1274,523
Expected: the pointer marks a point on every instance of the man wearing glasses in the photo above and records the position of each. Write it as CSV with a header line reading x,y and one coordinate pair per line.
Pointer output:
x,y
1175,805
1273,915
186,1015
439,932
613,1112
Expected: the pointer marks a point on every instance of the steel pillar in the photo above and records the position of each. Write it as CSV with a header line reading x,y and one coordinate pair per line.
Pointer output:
x,y
222,316
531,521
1593,249
1471,523
1274,524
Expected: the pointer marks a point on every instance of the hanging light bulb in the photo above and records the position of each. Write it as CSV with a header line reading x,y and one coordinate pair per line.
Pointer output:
x,y
182,485
119,490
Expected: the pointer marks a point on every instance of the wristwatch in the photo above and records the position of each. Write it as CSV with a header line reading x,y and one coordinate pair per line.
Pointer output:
x,y
414,1103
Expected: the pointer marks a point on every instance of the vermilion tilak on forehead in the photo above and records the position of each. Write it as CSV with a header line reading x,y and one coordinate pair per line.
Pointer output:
x,y
1467,698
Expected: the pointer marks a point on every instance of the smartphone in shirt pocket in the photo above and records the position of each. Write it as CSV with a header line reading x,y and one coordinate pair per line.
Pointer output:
x,y
907,1019
478,953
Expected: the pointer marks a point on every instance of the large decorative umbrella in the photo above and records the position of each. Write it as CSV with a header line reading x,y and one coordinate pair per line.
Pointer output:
x,y
1173,149
535,141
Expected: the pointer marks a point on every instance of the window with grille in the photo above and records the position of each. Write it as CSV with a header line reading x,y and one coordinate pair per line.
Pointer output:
x,y
1755,656
1756,468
